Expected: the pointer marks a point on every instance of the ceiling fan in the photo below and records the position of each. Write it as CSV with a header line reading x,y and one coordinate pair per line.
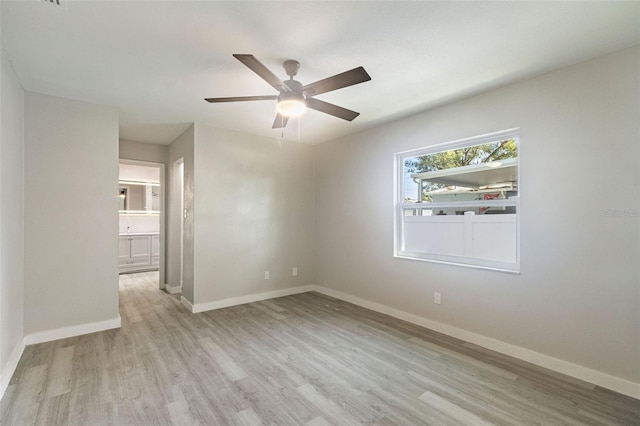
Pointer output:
x,y
294,98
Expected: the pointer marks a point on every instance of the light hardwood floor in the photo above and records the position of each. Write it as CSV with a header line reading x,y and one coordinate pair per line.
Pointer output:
x,y
299,360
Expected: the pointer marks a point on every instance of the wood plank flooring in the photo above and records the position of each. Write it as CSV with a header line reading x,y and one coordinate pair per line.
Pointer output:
x,y
305,359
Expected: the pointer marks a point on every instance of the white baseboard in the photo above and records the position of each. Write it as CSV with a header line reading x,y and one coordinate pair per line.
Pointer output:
x,y
598,378
10,367
250,298
173,289
186,303
72,331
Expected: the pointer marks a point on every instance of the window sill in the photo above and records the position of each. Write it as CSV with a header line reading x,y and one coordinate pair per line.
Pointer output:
x,y
514,271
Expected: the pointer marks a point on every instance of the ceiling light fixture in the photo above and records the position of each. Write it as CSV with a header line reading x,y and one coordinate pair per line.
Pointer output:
x,y
291,104
494,164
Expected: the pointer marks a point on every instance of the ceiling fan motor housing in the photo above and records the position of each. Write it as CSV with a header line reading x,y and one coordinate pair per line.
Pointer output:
x,y
291,96
294,85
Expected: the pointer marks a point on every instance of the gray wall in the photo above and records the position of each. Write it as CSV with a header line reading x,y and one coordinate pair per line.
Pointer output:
x,y
578,295
140,151
71,213
11,214
183,147
254,212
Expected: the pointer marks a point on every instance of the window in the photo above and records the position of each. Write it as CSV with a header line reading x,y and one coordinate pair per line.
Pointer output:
x,y
458,202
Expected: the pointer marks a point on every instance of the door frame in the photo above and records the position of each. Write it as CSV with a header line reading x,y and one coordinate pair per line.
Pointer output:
x,y
177,221
162,230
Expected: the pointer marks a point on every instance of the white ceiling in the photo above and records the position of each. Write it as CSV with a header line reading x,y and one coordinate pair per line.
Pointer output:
x,y
156,61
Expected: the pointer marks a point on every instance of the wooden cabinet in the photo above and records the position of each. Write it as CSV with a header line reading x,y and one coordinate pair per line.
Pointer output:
x,y
139,252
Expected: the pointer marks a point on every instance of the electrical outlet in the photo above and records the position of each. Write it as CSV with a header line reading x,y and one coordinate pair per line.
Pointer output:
x,y
294,271
267,275
437,299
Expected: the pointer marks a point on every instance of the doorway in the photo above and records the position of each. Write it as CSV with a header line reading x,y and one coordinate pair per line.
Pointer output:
x,y
142,218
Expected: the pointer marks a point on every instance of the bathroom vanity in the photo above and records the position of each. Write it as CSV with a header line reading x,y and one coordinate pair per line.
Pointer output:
x,y
139,252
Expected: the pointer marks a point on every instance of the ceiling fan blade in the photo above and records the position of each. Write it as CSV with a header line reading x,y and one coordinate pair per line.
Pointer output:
x,y
242,98
256,66
280,121
338,81
331,109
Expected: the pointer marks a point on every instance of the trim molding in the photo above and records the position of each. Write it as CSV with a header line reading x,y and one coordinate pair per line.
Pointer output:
x,y
186,304
71,331
173,289
240,300
598,378
10,366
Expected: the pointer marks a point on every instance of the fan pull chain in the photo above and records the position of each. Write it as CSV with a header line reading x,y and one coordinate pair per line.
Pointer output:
x,y
281,128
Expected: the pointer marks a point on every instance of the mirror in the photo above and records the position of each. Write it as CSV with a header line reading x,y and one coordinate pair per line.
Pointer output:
x,y
139,197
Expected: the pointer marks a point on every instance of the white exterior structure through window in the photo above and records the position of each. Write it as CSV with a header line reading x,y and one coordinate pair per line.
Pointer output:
x,y
458,202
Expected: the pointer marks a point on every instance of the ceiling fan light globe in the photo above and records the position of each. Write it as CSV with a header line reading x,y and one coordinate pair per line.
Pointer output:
x,y
291,108
291,104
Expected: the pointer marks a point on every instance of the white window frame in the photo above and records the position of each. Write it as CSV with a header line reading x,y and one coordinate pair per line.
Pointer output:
x,y
400,205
